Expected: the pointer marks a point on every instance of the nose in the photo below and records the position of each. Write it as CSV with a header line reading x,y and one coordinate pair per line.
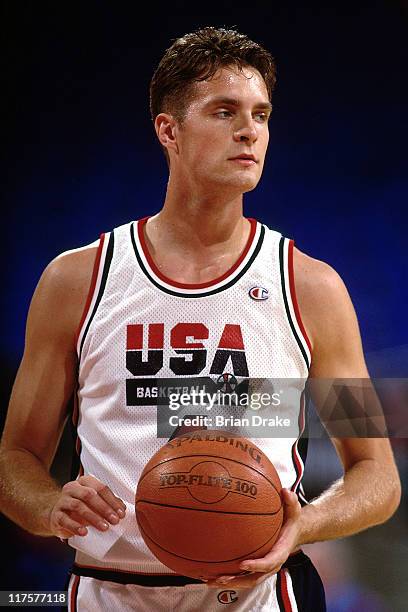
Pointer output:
x,y
246,132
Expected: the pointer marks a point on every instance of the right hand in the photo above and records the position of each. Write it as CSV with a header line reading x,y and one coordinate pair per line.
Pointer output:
x,y
83,502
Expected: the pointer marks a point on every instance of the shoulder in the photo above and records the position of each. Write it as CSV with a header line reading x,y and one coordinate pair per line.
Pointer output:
x,y
60,296
323,299
313,275
70,273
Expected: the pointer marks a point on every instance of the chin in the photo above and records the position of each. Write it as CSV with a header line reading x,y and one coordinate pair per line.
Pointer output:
x,y
241,183
250,188
246,183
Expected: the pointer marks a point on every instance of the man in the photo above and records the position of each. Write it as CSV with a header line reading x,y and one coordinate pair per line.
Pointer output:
x,y
174,284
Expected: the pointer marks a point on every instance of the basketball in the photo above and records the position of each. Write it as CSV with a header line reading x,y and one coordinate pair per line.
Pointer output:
x,y
206,501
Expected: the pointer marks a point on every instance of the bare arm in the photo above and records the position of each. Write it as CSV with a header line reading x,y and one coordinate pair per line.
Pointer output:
x,y
38,410
369,492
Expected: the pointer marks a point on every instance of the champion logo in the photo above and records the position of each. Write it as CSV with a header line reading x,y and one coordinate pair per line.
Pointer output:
x,y
227,597
259,293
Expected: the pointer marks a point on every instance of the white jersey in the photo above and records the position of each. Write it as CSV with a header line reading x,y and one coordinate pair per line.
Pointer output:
x,y
140,327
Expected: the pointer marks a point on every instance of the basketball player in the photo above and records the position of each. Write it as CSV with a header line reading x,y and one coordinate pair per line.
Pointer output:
x,y
180,284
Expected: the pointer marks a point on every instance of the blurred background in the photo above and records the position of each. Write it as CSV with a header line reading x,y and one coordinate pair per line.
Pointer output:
x,y
80,157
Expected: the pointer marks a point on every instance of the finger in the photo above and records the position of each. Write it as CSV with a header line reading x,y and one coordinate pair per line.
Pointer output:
x,y
78,518
288,496
292,507
263,565
93,500
64,535
83,514
270,563
225,579
105,493
115,502
101,488
242,582
217,582
67,526
101,525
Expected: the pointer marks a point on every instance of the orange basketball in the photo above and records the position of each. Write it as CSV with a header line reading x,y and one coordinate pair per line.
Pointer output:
x,y
206,501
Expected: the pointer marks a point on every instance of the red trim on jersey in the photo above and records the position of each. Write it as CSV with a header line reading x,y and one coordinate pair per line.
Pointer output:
x,y
78,444
298,466
78,449
140,226
284,592
293,295
115,569
92,286
74,592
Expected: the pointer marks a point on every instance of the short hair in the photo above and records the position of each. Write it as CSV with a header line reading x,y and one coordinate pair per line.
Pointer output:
x,y
198,56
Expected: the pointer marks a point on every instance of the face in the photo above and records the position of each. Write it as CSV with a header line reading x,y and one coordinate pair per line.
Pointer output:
x,y
226,120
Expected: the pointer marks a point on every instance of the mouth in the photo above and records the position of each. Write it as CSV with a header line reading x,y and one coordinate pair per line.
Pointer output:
x,y
244,160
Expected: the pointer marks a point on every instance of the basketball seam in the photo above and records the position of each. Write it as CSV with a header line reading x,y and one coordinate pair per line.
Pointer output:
x,y
243,556
152,503
202,501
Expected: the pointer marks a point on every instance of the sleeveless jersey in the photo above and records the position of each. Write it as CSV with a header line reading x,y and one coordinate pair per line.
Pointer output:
x,y
140,326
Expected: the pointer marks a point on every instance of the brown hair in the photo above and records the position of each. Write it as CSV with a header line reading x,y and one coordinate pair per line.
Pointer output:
x,y
197,56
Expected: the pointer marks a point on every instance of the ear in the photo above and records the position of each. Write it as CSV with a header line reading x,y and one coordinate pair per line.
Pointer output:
x,y
166,130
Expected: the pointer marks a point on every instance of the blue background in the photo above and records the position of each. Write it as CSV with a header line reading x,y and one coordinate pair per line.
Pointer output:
x,y
83,156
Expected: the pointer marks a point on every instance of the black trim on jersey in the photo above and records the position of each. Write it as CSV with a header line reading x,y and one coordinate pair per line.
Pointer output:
x,y
76,458
301,445
298,471
205,293
285,299
302,449
148,580
151,580
108,260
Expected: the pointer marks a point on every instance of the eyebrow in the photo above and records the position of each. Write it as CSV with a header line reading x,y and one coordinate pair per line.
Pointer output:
x,y
234,102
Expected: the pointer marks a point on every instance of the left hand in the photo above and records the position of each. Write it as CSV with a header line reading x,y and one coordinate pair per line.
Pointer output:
x,y
288,540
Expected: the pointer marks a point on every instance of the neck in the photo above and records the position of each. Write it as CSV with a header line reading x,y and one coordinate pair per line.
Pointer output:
x,y
199,220
196,238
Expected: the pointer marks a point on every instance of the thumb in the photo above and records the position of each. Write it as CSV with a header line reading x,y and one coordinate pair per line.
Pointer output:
x,y
291,505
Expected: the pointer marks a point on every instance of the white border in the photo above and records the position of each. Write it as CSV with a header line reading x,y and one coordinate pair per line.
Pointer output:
x,y
95,292
290,304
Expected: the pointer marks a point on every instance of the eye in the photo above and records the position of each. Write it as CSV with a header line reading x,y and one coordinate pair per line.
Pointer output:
x,y
262,117
224,114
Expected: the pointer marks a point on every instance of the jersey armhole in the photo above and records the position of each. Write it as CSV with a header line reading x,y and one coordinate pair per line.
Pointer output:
x,y
291,270
92,292
290,300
